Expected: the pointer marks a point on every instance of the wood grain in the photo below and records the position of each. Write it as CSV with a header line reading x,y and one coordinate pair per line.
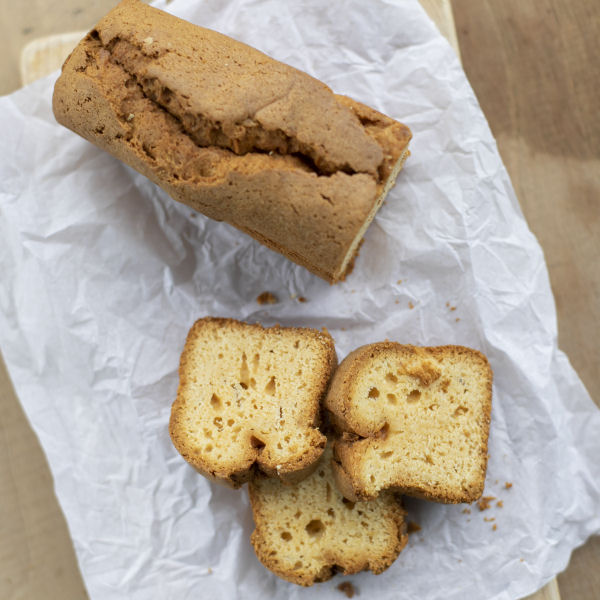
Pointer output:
x,y
536,73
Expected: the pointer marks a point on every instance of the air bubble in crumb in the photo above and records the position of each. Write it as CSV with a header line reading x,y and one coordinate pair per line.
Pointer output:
x,y
266,298
148,40
347,588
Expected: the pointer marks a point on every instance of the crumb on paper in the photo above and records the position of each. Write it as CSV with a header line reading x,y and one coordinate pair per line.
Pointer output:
x,y
489,519
343,328
397,301
447,303
411,305
457,319
399,281
499,504
413,527
192,215
496,482
266,298
508,485
302,299
452,308
209,571
466,511
521,560
484,503
347,588
494,527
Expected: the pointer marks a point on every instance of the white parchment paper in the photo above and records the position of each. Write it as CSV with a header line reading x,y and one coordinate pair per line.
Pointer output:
x,y
103,274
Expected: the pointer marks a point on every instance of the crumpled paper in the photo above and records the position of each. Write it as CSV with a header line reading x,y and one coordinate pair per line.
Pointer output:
x,y
103,274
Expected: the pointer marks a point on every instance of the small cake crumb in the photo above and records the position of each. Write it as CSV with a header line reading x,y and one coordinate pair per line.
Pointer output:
x,y
209,571
397,301
399,281
499,504
489,519
343,328
457,319
452,308
411,305
466,511
412,527
494,527
521,560
447,303
266,298
302,299
484,503
508,485
347,588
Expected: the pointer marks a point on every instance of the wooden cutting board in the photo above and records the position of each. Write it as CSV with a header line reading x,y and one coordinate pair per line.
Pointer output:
x,y
36,555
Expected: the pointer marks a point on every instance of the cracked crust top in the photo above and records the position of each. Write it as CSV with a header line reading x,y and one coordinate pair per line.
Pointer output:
x,y
249,398
233,133
412,419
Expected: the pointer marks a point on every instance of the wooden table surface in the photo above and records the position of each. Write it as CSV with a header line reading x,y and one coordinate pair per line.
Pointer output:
x,y
535,70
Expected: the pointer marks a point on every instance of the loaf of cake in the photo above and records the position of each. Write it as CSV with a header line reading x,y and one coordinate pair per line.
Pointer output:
x,y
249,400
234,134
411,419
305,532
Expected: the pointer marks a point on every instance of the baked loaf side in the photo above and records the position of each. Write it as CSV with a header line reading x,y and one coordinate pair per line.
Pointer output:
x,y
415,420
304,533
249,398
233,133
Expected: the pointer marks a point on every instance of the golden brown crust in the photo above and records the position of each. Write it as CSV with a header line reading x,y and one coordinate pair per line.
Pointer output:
x,y
270,150
360,436
251,454
349,538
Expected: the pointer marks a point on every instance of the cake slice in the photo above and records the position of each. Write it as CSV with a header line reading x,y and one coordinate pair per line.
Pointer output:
x,y
249,398
305,532
411,419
